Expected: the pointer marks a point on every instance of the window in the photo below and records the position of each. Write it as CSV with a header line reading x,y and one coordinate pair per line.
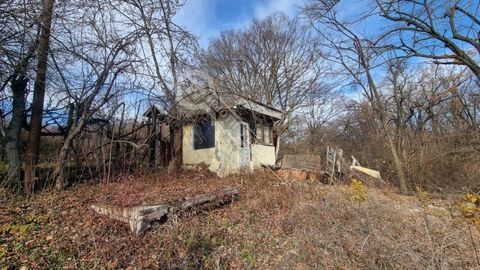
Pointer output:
x,y
266,135
253,131
263,134
242,136
259,133
245,135
204,134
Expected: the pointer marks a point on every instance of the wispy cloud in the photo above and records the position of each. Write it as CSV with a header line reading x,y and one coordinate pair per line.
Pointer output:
x,y
289,7
196,16
207,18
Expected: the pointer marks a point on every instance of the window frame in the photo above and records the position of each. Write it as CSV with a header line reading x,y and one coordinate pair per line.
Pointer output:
x,y
209,131
260,130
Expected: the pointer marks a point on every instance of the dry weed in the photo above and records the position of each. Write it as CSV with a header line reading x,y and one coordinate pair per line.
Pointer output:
x,y
273,225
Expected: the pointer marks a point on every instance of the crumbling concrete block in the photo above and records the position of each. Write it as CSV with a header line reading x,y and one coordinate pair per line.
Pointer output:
x,y
139,218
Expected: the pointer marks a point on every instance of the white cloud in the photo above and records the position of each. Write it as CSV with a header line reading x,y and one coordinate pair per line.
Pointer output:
x,y
289,7
195,16
198,16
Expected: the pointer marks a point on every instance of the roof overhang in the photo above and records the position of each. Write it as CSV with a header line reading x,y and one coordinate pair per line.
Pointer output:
x,y
260,108
210,103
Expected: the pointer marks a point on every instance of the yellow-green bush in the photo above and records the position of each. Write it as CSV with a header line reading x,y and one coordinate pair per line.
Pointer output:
x,y
359,192
470,208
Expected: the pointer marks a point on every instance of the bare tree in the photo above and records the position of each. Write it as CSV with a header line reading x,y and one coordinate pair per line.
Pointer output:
x,y
445,31
276,61
358,57
33,145
99,54
166,49
319,113
18,43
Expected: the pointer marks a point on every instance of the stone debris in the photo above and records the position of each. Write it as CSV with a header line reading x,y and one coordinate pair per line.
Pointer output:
x,y
140,218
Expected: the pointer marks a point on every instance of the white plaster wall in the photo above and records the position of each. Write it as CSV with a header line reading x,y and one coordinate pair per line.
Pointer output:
x,y
224,158
192,157
263,154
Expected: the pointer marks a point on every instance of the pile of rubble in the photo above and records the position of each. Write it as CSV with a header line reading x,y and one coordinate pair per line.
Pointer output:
x,y
334,169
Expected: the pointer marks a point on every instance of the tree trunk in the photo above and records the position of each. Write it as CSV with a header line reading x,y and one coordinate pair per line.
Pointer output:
x,y
176,160
277,147
397,160
33,145
13,132
379,107
59,172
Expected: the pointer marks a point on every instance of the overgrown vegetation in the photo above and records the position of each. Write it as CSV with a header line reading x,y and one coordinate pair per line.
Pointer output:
x,y
93,102
274,224
402,98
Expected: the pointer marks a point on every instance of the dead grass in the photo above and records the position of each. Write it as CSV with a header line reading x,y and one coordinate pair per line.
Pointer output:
x,y
273,225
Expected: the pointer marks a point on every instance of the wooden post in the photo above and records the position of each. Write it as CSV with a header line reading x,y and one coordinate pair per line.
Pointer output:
x,y
153,140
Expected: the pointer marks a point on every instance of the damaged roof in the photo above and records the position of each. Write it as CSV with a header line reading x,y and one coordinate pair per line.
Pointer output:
x,y
209,101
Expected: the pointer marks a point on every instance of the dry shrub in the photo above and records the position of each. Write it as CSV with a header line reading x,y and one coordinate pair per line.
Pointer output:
x,y
274,225
380,234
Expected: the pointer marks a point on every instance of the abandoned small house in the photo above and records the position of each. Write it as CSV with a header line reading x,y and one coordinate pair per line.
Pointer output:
x,y
228,133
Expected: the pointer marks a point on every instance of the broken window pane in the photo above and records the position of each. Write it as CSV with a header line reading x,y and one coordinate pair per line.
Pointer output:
x,y
204,134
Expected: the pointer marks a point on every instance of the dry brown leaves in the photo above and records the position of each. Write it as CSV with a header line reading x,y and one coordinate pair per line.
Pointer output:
x,y
274,224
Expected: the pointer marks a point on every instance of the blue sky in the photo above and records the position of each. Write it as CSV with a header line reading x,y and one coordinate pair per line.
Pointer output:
x,y
207,18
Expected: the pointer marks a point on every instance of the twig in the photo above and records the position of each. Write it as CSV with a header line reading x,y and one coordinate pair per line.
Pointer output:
x,y
474,246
